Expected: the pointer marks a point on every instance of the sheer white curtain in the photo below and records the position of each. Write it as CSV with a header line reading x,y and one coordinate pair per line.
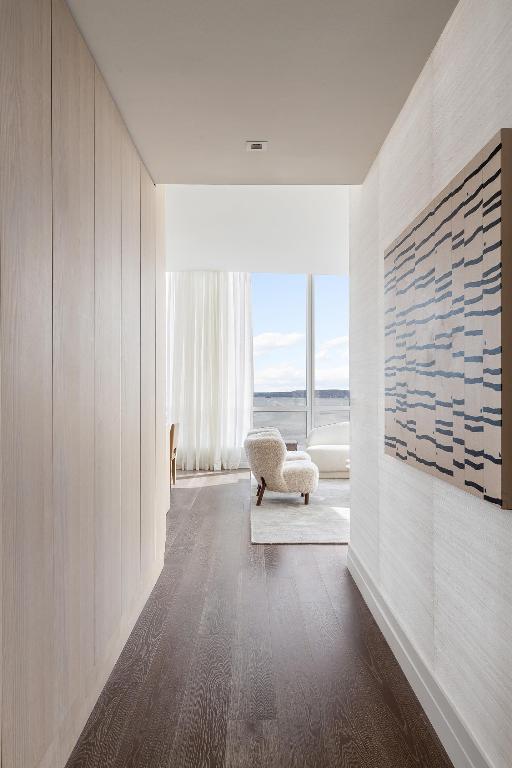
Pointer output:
x,y
210,366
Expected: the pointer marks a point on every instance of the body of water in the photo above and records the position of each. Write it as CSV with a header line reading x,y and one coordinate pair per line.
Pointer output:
x,y
292,424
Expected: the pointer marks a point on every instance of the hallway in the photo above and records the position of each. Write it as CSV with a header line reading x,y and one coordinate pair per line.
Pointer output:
x,y
253,656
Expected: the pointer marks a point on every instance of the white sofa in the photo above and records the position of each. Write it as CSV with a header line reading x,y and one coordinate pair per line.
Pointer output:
x,y
329,449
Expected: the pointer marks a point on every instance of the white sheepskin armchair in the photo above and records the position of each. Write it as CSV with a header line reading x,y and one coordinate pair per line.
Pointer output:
x,y
266,453
290,455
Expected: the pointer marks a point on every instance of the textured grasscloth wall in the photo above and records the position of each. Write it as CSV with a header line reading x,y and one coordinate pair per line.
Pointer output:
x,y
440,558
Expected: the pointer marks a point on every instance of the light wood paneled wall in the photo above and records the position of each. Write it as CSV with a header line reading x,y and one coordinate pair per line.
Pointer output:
x,y
28,607
80,547
107,389
130,372
162,432
147,403
73,353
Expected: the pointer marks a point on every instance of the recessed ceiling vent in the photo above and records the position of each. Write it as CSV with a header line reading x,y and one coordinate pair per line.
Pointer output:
x,y
256,146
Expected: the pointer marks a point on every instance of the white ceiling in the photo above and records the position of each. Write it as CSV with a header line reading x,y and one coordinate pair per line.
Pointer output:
x,y
321,80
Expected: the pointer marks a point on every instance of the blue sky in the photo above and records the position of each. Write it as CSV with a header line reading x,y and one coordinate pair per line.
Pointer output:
x,y
279,329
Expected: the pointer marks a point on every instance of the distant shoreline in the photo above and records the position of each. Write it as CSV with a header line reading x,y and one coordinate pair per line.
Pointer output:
x,y
326,394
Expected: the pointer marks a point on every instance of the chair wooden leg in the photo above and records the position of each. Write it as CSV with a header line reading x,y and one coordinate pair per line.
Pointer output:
x,y
306,498
174,470
261,492
258,490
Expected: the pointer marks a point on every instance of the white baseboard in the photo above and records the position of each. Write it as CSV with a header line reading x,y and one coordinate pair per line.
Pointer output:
x,y
456,738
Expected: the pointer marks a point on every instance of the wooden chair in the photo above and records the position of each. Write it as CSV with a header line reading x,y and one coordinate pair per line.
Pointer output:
x,y
173,446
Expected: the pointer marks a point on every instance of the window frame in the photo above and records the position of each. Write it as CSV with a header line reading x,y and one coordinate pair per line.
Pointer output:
x,y
310,408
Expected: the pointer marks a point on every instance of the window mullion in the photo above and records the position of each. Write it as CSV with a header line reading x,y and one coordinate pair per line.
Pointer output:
x,y
310,354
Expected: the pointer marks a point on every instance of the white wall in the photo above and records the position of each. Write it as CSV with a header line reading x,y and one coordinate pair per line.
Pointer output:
x,y
258,228
440,559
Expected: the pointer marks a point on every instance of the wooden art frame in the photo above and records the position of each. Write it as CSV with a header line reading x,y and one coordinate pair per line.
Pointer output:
x,y
448,331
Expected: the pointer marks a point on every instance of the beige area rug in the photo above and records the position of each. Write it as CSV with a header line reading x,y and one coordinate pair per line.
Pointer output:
x,y
285,519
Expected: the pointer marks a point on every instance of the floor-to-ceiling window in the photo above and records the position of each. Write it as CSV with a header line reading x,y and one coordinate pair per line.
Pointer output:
x,y
280,328
300,326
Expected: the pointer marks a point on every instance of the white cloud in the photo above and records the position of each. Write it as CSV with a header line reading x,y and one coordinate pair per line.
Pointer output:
x,y
333,349
332,378
338,341
279,378
331,364
266,342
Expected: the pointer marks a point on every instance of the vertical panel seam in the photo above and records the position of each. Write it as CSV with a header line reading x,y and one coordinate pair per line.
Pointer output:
x,y
52,452
94,373
155,505
140,372
121,377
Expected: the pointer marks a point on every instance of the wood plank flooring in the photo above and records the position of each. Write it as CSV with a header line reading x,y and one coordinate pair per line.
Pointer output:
x,y
252,655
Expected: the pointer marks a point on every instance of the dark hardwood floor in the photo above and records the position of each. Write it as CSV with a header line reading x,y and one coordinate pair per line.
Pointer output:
x,y
252,655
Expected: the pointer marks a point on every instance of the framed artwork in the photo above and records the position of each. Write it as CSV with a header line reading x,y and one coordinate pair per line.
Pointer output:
x,y
448,331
